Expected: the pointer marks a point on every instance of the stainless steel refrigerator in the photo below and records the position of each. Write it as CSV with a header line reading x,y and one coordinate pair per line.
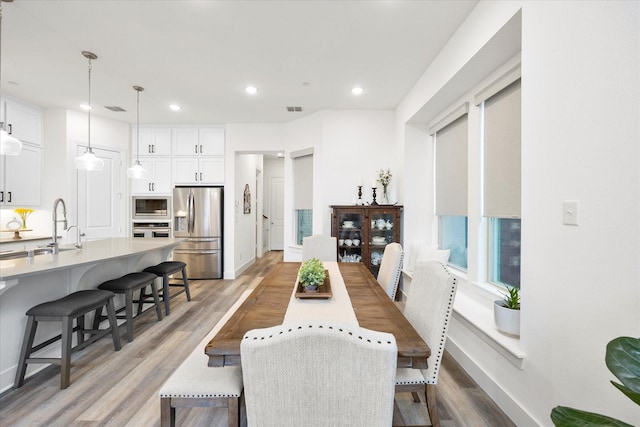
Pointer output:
x,y
197,216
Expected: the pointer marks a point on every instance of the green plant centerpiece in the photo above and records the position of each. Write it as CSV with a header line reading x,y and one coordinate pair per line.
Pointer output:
x,y
312,274
507,312
623,360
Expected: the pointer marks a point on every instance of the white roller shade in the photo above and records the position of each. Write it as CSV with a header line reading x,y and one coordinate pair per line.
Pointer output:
x,y
502,159
303,182
451,168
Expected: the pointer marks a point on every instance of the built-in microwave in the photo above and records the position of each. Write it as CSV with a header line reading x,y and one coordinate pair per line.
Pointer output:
x,y
151,207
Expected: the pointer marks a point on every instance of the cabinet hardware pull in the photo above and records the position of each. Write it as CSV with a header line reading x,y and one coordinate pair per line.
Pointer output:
x,y
200,148
153,148
10,128
153,185
196,176
9,193
200,176
1,196
196,147
149,186
149,148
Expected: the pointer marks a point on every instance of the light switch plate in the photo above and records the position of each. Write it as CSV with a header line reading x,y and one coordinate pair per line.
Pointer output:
x,y
570,212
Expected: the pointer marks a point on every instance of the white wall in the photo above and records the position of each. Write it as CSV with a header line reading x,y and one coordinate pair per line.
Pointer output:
x,y
348,146
580,140
245,224
62,131
241,138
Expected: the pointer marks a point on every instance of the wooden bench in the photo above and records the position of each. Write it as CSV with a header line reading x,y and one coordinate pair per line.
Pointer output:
x,y
195,384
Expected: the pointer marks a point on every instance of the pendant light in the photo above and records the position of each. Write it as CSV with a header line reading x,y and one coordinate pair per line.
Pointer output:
x,y
9,145
89,161
137,171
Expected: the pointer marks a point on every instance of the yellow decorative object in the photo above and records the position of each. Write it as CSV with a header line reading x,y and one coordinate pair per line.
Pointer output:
x,y
24,213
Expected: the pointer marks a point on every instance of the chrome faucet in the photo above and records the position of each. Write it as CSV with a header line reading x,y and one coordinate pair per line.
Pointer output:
x,y
79,236
54,241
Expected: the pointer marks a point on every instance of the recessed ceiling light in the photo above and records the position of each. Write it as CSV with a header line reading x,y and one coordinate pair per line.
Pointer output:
x,y
85,107
251,90
175,107
357,90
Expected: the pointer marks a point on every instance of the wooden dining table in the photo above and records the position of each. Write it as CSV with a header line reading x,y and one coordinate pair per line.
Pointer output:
x,y
267,306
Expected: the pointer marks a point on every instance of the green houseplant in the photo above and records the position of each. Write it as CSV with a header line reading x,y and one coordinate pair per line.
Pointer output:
x,y
311,274
506,312
623,360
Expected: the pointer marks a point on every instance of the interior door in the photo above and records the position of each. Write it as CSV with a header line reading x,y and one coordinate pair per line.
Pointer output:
x,y
277,214
100,205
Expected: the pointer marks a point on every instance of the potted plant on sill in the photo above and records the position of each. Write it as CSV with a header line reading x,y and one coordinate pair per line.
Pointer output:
x,y
507,312
311,274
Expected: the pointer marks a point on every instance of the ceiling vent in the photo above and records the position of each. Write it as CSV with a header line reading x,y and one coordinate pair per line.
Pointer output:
x,y
115,109
294,109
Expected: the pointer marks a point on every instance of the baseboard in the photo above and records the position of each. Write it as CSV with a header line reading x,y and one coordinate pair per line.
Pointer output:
x,y
509,406
244,266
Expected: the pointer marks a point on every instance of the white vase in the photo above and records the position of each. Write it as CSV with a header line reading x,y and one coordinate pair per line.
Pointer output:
x,y
507,320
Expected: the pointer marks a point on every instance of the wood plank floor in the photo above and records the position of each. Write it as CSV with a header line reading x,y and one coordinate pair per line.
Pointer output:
x,y
121,388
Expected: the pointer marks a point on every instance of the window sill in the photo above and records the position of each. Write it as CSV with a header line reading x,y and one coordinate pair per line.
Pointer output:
x,y
473,307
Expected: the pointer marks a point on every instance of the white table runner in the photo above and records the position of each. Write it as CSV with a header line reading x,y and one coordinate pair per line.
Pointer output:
x,y
338,308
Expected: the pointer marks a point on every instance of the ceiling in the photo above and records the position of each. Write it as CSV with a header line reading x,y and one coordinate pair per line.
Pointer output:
x,y
202,54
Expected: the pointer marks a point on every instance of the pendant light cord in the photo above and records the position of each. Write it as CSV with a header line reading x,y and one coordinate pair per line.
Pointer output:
x,y
89,111
138,126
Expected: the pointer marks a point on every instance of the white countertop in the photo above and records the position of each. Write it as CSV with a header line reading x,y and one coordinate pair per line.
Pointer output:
x,y
91,252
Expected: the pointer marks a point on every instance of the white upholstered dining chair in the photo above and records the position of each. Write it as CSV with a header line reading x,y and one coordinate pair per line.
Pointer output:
x,y
324,248
314,374
429,307
391,269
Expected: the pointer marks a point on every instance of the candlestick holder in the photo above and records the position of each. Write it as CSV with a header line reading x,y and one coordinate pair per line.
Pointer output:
x,y
359,202
374,203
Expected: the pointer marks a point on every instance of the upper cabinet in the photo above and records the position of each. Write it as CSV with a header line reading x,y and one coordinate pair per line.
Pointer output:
x,y
202,141
178,155
23,121
159,179
154,141
21,178
21,175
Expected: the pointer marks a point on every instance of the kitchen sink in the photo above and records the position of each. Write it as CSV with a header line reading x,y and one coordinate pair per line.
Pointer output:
x,y
34,252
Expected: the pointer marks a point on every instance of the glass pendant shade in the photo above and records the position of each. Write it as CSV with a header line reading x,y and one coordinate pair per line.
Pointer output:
x,y
9,145
137,171
89,162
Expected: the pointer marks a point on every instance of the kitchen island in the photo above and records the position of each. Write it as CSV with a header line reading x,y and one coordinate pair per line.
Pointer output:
x,y
25,282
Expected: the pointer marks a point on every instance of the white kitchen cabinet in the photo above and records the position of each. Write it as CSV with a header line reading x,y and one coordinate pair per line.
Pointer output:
x,y
23,121
159,179
198,170
153,141
211,141
204,141
21,178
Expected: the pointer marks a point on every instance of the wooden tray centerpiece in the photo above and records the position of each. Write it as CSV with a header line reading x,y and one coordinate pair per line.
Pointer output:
x,y
323,291
312,271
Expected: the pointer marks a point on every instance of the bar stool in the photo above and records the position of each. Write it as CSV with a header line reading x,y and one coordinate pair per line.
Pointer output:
x,y
127,285
66,309
165,269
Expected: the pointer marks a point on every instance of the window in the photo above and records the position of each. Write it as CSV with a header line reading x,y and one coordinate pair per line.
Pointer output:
x,y
501,121
451,136
504,256
453,236
302,194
